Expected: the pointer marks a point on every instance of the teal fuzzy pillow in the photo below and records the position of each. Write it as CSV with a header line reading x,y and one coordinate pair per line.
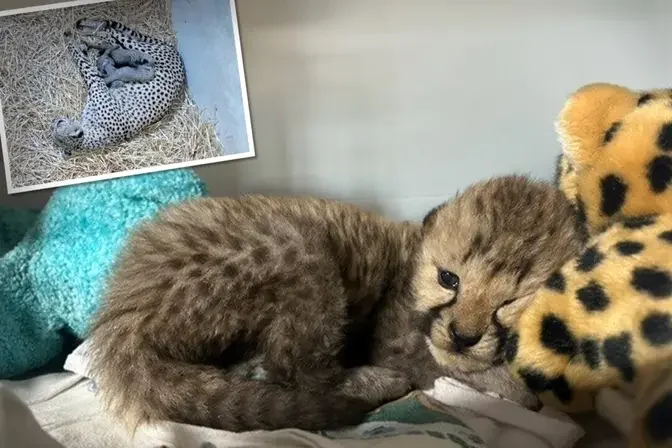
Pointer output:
x,y
52,280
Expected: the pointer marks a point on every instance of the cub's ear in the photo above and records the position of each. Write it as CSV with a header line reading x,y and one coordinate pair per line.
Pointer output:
x,y
430,218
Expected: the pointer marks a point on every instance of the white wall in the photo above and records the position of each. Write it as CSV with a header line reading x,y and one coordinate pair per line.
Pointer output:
x,y
398,103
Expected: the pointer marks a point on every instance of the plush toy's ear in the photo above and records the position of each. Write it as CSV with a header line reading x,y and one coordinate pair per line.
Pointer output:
x,y
588,119
632,175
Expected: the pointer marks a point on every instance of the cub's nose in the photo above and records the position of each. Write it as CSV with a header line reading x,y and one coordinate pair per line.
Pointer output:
x,y
461,340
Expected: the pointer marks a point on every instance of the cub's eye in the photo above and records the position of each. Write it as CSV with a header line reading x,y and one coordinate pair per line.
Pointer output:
x,y
448,280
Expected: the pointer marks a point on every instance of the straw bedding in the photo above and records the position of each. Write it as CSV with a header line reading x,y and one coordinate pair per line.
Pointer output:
x,y
39,81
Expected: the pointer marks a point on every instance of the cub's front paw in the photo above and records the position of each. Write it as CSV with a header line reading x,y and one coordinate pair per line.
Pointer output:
x,y
393,385
377,385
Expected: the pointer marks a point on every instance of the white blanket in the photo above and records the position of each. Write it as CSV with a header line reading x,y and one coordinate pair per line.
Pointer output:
x,y
65,409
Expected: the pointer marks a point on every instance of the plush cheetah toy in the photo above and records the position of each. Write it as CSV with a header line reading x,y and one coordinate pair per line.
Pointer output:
x,y
602,324
119,111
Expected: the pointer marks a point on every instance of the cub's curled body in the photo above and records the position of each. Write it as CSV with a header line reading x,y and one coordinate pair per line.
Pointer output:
x,y
217,282
340,309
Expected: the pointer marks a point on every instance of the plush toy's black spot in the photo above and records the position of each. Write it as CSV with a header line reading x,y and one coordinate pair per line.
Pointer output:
x,y
613,129
666,236
556,282
534,380
659,173
645,98
657,328
629,247
657,420
613,190
617,352
638,222
665,137
591,353
556,336
589,260
593,297
511,347
652,281
561,389
537,382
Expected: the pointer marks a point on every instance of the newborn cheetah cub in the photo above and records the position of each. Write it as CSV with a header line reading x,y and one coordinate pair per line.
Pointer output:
x,y
270,312
483,257
236,313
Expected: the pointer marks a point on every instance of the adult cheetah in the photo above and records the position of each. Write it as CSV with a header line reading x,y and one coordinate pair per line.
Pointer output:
x,y
113,114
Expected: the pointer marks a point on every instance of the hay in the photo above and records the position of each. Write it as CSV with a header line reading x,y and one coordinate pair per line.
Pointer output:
x,y
39,82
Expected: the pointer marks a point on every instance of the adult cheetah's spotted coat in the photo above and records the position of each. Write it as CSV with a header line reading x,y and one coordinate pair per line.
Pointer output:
x,y
115,114
605,318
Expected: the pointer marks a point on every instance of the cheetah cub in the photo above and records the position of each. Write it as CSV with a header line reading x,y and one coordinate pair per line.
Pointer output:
x,y
235,313
272,312
119,66
483,256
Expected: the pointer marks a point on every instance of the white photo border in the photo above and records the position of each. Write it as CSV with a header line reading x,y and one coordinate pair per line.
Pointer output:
x,y
227,158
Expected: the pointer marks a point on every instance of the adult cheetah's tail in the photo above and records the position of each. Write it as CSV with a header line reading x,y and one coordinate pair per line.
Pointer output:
x,y
143,387
102,24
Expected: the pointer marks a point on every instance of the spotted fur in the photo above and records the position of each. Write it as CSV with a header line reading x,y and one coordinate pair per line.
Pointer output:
x,y
116,113
605,318
269,312
617,159
235,314
501,239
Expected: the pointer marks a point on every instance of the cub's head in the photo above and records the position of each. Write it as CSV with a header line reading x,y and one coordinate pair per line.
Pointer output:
x,y
483,256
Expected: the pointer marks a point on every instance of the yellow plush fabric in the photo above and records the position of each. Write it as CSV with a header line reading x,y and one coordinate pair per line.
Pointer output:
x,y
617,148
605,318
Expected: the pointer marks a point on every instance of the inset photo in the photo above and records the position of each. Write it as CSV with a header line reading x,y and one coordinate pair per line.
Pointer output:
x,y
93,90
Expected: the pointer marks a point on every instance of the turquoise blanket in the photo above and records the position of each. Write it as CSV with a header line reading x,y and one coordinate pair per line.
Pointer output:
x,y
54,263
